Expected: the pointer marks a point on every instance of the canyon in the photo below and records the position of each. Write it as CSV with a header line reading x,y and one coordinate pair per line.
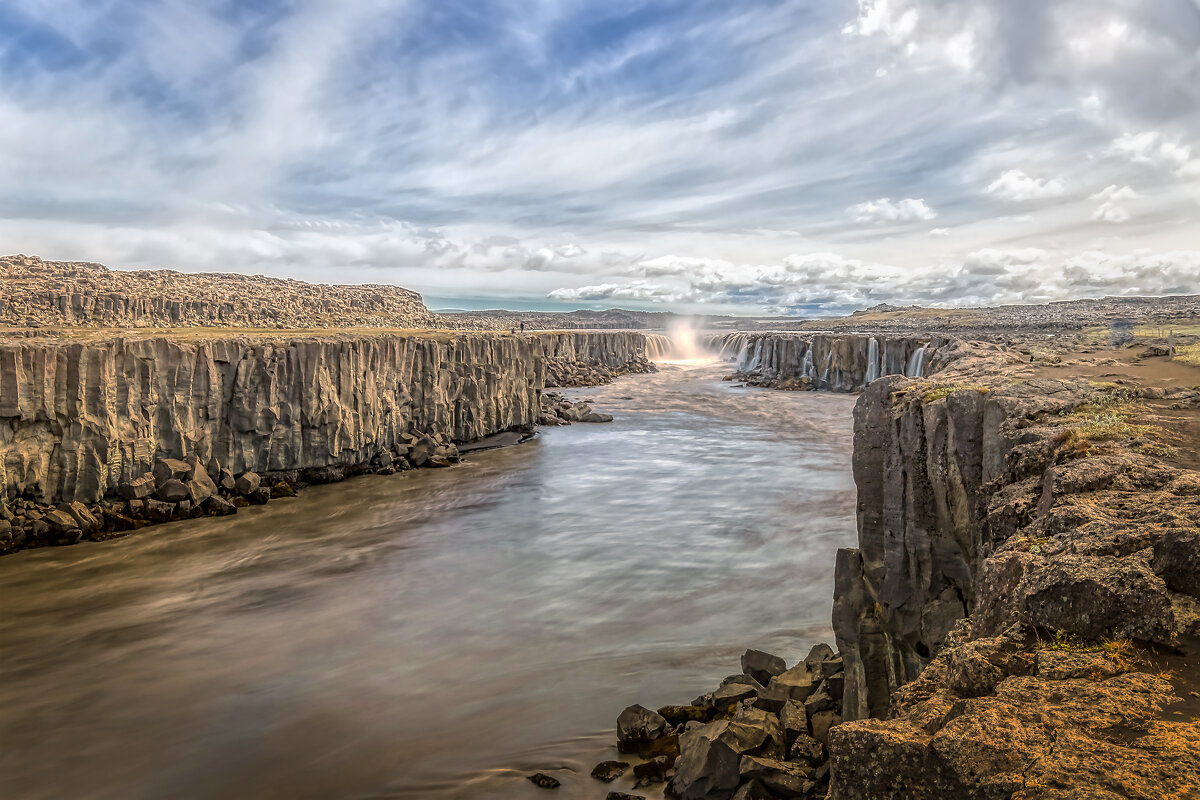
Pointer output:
x,y
1019,619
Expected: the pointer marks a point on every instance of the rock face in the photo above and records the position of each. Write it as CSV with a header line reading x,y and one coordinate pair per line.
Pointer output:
x,y
1015,585
821,361
82,419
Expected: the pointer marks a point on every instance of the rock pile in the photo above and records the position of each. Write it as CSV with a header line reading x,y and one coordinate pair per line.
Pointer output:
x,y
177,489
557,410
568,373
761,734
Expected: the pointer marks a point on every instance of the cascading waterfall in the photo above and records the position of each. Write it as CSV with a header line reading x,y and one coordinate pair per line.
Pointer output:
x,y
872,360
916,364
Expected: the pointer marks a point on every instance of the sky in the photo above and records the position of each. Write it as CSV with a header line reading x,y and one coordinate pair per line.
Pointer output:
x,y
759,156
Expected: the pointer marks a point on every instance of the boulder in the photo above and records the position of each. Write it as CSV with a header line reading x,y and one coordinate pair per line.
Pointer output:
x,y
169,469
708,763
225,481
762,666
818,701
794,684
677,715
652,772
138,488
821,723
282,489
793,719
59,520
248,483
758,732
84,519
172,491
638,726
200,485
819,654
623,796
218,506
781,778
260,496
807,750
752,790
594,416
159,511
731,694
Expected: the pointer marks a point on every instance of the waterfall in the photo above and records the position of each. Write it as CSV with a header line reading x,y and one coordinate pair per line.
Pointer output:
x,y
872,360
916,364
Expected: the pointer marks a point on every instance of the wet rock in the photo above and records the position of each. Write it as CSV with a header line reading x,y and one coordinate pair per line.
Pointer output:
x,y
260,496
138,488
638,726
666,745
623,796
225,481
84,519
652,772
159,510
762,666
609,771
544,781
218,506
59,520
596,417
248,483
708,763
282,489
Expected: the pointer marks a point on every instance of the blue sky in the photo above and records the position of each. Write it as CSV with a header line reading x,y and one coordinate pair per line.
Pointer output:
x,y
755,156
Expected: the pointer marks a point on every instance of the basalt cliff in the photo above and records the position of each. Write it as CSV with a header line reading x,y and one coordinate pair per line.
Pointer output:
x,y
86,421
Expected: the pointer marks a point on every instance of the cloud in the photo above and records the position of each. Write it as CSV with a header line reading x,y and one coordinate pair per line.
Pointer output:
x,y
1110,209
884,210
1017,187
828,283
1155,150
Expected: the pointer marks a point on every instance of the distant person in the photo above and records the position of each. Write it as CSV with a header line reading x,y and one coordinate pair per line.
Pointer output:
x,y
522,327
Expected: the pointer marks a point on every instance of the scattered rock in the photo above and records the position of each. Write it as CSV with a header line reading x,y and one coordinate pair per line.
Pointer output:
x,y
762,666
638,726
609,771
544,781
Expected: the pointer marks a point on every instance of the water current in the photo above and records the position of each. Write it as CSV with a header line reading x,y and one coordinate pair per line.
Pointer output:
x,y
438,633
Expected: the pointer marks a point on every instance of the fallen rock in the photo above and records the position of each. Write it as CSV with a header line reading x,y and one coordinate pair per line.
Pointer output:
x,y
652,772
762,666
172,490
779,777
678,715
248,483
138,488
169,469
623,796
219,506
794,684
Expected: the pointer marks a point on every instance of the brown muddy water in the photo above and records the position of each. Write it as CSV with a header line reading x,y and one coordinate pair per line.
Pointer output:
x,y
437,634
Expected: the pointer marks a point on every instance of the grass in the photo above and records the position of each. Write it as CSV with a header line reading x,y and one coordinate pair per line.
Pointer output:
x,y
1120,653
942,392
1110,416
1188,354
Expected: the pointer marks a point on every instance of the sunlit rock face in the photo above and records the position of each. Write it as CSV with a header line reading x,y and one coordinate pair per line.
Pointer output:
x,y
78,418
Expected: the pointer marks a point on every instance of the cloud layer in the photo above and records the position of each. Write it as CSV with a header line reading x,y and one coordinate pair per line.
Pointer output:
x,y
760,155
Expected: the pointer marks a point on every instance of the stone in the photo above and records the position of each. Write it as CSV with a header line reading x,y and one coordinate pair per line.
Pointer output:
x,y
731,694
543,781
807,750
817,655
652,772
172,491
59,520
623,796
226,482
609,771
781,778
260,496
248,483
138,488
282,489
793,684
708,763
200,485
218,506
676,715
794,720
752,790
821,723
83,517
757,731
169,469
762,666
638,726
818,701
159,511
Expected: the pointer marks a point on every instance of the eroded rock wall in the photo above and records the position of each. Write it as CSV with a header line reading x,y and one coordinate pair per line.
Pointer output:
x,y
78,417
825,362
1021,581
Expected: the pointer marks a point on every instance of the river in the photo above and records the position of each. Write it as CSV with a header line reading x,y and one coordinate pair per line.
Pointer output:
x,y
438,633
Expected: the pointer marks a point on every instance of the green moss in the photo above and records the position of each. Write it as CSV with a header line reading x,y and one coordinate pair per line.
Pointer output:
x,y
942,392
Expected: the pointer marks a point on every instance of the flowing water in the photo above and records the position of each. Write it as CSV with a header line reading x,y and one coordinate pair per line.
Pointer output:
x,y
440,633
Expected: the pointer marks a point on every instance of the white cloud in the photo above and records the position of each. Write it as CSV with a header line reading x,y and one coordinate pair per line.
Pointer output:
x,y
1110,209
1017,187
909,209
940,233
1153,149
